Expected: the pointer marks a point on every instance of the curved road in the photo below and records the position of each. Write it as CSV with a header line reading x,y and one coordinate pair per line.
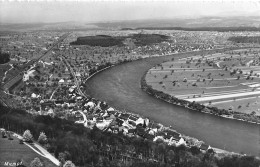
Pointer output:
x,y
120,87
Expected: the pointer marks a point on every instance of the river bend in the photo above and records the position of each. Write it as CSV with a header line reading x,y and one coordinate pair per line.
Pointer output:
x,y
120,87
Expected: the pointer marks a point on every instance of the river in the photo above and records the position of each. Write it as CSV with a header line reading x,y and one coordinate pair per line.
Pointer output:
x,y
120,87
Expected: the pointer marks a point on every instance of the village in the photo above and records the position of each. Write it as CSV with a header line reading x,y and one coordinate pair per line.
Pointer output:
x,y
54,85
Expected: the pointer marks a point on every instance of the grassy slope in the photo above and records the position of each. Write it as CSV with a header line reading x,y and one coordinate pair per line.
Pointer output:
x,y
11,151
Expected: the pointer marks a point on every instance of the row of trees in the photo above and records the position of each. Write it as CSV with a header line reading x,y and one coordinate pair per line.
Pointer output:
x,y
28,137
36,162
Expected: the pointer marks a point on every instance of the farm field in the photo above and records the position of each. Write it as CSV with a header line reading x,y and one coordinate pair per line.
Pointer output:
x,y
11,151
247,106
229,80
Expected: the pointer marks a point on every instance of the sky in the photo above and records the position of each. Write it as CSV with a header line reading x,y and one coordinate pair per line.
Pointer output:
x,y
30,11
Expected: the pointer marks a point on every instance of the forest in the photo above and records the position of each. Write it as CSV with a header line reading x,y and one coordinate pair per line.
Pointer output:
x,y
99,40
106,41
148,39
4,58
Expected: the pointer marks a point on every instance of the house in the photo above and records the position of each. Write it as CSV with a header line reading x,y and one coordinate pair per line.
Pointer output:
x,y
133,118
159,138
112,129
113,123
90,104
152,131
47,104
103,124
153,125
170,133
50,112
204,147
110,109
35,95
140,121
119,121
124,116
132,123
61,81
181,142
126,124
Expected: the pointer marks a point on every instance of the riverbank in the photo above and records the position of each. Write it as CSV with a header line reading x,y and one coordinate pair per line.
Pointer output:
x,y
142,114
219,152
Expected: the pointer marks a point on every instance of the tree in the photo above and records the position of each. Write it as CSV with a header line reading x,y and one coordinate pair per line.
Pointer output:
x,y
20,141
4,57
170,157
42,138
36,163
253,113
188,160
68,164
27,136
9,136
4,134
194,150
63,156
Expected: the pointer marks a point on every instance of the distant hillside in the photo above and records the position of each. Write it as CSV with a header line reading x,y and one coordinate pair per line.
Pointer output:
x,y
214,21
220,29
245,39
65,26
242,21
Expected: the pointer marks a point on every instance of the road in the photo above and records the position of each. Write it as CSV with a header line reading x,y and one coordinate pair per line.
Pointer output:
x,y
43,152
74,76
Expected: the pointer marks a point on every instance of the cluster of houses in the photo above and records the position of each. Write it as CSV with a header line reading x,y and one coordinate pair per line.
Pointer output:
x,y
94,113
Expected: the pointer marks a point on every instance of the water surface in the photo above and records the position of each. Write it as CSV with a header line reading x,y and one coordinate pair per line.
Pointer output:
x,y
120,87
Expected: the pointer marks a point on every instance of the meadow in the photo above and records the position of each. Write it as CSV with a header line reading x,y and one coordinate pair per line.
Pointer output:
x,y
12,151
229,80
